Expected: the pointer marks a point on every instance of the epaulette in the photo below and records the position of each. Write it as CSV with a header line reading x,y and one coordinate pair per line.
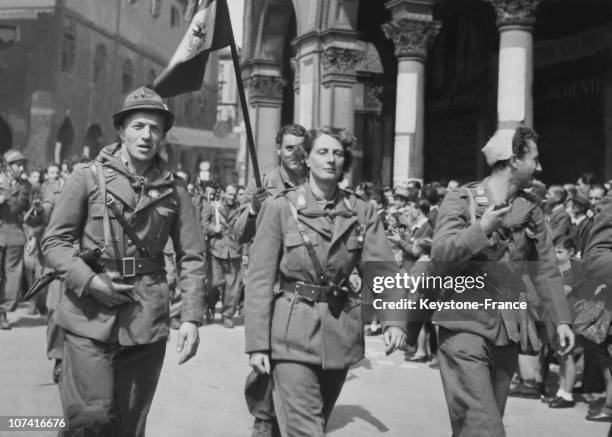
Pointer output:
x,y
286,190
476,187
354,193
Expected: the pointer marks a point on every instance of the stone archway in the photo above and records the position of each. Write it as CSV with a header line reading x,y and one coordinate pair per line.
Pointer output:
x,y
6,136
93,141
64,143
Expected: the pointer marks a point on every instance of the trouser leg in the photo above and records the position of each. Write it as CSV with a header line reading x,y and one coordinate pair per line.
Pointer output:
x,y
232,287
505,363
86,388
55,338
218,281
137,370
13,267
304,397
473,395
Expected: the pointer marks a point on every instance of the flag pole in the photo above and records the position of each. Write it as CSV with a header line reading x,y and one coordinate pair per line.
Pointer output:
x,y
245,109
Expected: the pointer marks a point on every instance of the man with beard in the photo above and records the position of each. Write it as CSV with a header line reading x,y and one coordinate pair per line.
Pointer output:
x,y
14,201
290,173
226,254
493,228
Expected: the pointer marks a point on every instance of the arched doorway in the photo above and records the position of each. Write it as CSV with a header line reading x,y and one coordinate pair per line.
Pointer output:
x,y
375,120
93,141
6,136
64,143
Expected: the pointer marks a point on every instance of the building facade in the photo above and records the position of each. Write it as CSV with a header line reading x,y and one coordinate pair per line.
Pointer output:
x,y
424,83
66,66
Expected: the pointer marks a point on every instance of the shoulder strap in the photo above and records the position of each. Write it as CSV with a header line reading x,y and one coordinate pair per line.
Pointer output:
x,y
109,202
98,171
306,239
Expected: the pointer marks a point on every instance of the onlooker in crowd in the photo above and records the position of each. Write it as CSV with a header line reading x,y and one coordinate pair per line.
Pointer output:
x,y
558,218
573,273
596,194
14,202
226,253
581,222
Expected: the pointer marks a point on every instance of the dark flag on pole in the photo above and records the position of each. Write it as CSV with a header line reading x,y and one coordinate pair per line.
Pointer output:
x,y
210,29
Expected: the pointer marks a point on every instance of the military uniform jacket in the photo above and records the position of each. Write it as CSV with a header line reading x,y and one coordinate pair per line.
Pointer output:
x,y
290,327
162,209
597,253
17,200
461,247
222,244
275,182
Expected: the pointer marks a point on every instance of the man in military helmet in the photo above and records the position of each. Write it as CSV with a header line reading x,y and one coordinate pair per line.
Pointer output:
x,y
493,229
14,202
120,211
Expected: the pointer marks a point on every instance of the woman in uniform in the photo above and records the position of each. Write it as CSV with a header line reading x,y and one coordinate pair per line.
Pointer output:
x,y
303,323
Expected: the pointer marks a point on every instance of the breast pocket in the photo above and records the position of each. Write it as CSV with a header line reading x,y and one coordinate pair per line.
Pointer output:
x,y
96,222
296,255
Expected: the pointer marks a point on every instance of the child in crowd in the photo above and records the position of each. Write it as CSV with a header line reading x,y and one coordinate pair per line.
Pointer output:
x,y
572,271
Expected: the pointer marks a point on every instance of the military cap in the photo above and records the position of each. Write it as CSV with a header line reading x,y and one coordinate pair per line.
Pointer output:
x,y
499,146
13,155
258,394
143,99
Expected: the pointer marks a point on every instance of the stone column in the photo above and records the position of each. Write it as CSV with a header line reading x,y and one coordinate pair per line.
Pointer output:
x,y
412,34
515,20
338,67
265,96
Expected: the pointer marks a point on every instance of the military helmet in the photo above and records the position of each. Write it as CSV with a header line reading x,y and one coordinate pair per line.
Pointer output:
x,y
13,155
143,99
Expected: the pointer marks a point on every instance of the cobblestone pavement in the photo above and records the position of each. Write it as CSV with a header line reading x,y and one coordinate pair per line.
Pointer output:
x,y
383,396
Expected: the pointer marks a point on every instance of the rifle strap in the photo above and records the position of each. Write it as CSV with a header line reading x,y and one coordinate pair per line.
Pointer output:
x,y
98,171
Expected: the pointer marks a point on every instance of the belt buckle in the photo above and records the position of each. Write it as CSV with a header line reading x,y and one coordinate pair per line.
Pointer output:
x,y
128,265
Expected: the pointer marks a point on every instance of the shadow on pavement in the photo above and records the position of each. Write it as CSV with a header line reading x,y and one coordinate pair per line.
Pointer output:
x,y
345,414
24,322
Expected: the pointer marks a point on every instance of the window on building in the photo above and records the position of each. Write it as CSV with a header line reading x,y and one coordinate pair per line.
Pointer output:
x,y
99,64
128,76
175,18
69,47
155,8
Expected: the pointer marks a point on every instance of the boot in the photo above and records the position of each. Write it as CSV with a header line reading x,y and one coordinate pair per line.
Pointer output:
x,y
4,323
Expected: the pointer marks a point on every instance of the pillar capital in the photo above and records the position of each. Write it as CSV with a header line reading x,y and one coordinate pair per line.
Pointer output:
x,y
265,89
412,35
340,63
515,12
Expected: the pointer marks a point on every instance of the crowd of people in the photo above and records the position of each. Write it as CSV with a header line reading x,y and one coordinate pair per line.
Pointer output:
x,y
146,221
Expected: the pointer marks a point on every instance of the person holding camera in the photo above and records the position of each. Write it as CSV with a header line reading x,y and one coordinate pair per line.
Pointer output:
x,y
495,230
308,331
14,202
124,207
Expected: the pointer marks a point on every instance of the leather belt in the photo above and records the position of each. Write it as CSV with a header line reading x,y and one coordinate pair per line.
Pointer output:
x,y
129,267
311,292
